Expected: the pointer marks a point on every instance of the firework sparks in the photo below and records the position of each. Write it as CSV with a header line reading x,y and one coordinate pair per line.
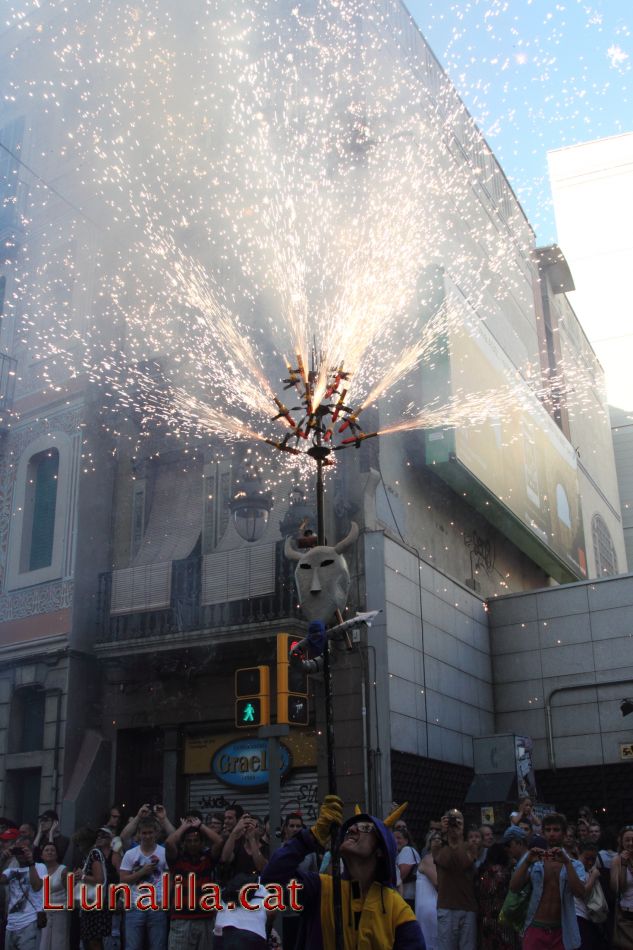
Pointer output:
x,y
254,186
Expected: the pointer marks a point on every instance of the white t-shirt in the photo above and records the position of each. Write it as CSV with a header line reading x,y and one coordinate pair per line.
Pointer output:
x,y
135,859
408,855
252,920
22,897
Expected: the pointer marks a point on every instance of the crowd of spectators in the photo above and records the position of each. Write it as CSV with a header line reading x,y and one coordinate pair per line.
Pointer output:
x,y
532,883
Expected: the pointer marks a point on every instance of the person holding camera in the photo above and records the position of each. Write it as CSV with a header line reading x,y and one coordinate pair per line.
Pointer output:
x,y
550,923
25,913
525,813
145,864
191,854
147,810
48,833
242,851
456,903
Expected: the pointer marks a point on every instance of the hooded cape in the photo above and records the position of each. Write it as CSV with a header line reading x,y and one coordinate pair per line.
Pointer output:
x,y
382,921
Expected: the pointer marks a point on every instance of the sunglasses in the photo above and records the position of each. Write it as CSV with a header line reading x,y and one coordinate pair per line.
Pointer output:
x,y
363,827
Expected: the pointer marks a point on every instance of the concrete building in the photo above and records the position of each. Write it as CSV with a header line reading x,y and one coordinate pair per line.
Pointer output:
x,y
562,665
129,599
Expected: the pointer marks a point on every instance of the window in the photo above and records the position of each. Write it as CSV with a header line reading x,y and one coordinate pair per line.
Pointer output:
x,y
217,494
41,539
603,548
26,725
11,136
40,504
138,516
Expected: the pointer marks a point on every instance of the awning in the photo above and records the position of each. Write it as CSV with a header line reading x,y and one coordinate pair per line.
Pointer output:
x,y
492,787
173,529
175,517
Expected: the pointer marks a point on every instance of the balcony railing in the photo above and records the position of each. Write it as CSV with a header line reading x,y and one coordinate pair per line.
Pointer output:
x,y
185,612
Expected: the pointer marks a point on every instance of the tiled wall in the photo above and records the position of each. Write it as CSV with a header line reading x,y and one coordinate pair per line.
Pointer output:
x,y
573,635
438,659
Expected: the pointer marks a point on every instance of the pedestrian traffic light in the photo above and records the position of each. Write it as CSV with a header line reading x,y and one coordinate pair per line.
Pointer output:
x,y
252,697
292,684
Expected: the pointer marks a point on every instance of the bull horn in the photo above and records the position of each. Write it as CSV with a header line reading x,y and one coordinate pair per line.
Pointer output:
x,y
291,552
348,539
391,819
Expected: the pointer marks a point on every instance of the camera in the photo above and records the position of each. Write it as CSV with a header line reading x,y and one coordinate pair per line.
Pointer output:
x,y
453,821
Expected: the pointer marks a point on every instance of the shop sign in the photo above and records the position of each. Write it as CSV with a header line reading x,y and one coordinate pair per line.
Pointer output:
x,y
243,763
626,751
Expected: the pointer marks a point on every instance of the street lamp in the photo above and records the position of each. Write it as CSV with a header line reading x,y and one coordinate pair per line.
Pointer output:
x,y
250,505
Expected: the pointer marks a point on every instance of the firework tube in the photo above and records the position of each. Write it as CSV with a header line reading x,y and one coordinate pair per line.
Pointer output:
x,y
351,419
333,387
338,406
293,377
306,384
282,447
355,439
284,412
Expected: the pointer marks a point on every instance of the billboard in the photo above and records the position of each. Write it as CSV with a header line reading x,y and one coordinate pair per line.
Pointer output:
x,y
515,466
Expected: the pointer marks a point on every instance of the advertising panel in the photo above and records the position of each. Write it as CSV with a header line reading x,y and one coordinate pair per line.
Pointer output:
x,y
520,462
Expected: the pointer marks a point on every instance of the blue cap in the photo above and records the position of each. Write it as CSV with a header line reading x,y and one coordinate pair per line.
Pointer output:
x,y
514,833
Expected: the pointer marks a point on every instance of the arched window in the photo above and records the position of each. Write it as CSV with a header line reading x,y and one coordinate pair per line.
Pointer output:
x,y
603,548
43,512
40,504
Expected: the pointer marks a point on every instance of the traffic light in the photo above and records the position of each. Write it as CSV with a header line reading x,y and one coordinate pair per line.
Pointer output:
x,y
252,697
292,684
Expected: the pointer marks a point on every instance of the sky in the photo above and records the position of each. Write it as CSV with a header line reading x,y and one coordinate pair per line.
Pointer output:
x,y
536,75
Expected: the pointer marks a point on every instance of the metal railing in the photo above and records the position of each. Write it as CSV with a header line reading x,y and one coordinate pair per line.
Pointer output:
x,y
185,612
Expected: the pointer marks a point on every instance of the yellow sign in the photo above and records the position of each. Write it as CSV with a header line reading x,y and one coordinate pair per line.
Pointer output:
x,y
200,750
626,751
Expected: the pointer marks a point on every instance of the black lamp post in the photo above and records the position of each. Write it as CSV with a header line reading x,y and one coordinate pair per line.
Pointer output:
x,y
316,433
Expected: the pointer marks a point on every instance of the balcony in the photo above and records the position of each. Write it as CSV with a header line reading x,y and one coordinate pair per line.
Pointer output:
x,y
186,611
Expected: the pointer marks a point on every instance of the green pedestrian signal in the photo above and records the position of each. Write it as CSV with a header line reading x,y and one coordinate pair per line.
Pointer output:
x,y
252,697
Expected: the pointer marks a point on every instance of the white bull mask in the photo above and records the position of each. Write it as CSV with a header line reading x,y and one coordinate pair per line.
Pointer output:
x,y
322,577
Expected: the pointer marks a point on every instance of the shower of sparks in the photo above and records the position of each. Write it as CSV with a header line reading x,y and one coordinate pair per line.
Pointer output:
x,y
254,180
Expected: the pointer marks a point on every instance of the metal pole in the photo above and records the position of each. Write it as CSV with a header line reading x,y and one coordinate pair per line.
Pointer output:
x,y
273,734
329,734
319,499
